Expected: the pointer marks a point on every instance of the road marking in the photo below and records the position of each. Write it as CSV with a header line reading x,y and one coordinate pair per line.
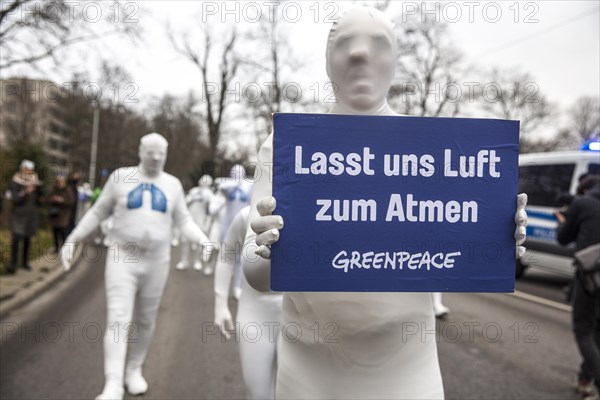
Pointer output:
x,y
541,300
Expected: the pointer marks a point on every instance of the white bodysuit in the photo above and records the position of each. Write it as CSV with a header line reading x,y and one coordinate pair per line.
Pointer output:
x,y
143,210
353,345
258,316
198,200
237,192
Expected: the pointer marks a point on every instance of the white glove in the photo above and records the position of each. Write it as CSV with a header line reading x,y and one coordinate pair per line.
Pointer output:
x,y
521,224
223,317
67,255
266,226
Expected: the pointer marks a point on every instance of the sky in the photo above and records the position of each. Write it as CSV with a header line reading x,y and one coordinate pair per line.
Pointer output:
x,y
557,42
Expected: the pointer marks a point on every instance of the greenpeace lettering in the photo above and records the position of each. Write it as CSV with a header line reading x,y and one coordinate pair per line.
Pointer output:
x,y
393,260
370,187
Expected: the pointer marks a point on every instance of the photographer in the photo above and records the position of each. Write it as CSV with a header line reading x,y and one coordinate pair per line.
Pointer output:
x,y
581,224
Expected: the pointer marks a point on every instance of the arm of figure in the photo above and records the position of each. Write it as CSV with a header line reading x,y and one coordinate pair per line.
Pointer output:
x,y
231,249
18,194
69,199
223,318
90,222
521,224
189,198
215,205
264,227
566,232
184,221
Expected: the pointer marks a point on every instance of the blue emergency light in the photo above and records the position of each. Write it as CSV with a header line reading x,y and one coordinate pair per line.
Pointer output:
x,y
592,145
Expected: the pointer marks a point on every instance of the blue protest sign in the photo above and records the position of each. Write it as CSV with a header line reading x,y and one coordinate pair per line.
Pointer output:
x,y
391,204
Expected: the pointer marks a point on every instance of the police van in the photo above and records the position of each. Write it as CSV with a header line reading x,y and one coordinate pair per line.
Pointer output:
x,y
550,181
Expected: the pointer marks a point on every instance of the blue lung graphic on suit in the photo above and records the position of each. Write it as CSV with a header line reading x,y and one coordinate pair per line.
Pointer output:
x,y
135,198
238,193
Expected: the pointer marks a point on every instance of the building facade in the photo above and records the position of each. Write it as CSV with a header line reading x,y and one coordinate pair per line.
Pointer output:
x,y
33,110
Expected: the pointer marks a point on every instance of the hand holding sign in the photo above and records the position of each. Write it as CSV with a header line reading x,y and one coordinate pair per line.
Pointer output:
x,y
521,222
266,226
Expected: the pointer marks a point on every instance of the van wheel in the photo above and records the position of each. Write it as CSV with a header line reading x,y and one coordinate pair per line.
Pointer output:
x,y
520,269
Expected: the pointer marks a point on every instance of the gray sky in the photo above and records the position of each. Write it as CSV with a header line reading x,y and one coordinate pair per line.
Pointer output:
x,y
556,41
561,50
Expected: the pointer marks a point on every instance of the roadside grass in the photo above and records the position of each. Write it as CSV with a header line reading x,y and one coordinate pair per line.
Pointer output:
x,y
41,244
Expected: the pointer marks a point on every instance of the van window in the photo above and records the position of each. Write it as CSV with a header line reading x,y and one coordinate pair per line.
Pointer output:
x,y
594,169
544,184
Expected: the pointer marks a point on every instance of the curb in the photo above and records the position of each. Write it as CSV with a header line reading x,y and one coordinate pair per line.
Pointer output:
x,y
34,289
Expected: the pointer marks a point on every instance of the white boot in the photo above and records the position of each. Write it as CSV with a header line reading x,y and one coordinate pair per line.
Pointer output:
x,y
135,382
237,293
113,390
439,309
181,266
198,266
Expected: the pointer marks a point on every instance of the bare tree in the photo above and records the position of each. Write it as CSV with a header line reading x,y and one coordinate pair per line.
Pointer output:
x,y
560,141
120,126
34,30
511,94
269,66
213,93
429,70
585,118
176,120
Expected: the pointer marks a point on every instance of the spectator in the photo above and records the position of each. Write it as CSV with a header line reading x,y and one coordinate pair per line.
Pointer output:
x,y
60,210
26,193
580,223
73,183
84,195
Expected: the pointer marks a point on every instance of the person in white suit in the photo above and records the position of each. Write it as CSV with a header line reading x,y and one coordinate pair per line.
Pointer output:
x,y
198,200
258,314
237,191
362,349
144,207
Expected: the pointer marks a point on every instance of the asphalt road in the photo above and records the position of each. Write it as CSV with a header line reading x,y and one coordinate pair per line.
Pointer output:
x,y
57,351
491,346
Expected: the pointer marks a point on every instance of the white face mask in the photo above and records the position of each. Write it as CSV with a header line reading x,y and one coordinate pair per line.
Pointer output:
x,y
360,59
153,157
205,181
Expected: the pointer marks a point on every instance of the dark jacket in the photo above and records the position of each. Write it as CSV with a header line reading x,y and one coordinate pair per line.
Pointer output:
x,y
24,213
60,207
583,221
